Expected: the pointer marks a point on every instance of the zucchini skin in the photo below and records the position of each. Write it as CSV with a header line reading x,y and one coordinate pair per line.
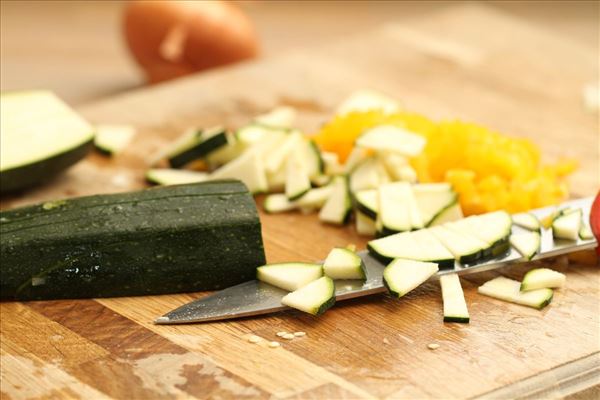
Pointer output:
x,y
172,239
28,175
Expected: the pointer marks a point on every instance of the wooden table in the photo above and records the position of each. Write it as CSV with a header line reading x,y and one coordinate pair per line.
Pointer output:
x,y
464,62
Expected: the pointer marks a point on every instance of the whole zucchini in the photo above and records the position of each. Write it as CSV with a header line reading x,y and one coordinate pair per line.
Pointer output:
x,y
181,238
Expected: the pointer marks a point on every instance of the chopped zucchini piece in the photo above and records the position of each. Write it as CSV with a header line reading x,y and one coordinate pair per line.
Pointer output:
x,y
455,306
315,198
585,232
280,117
526,243
450,214
367,100
505,289
338,206
168,176
567,226
367,202
465,248
315,298
204,143
278,202
276,158
289,276
540,278
398,208
432,250
248,168
297,182
432,199
365,176
113,139
392,138
343,263
365,225
402,276
527,221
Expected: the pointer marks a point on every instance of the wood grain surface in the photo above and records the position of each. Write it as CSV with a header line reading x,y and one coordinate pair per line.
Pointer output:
x,y
465,62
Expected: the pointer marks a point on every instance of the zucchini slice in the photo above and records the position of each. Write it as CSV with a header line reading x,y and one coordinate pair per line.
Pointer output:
x,y
315,198
113,139
526,243
365,225
289,276
278,202
465,248
432,250
505,289
450,214
315,298
314,162
248,168
567,225
585,232
357,156
392,138
527,221
398,208
205,142
276,158
367,202
41,136
343,263
394,164
540,278
455,306
168,176
331,163
402,276
338,206
365,176
367,100
433,198
492,230
281,117
297,182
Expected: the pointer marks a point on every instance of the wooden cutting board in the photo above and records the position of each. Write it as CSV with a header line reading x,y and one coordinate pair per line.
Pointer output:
x,y
464,62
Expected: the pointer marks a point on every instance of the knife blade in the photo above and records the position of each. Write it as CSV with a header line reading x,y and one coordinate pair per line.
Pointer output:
x,y
256,298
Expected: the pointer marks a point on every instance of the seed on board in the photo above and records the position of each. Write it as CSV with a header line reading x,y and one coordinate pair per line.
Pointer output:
x,y
288,336
385,341
254,339
281,334
274,344
299,334
433,346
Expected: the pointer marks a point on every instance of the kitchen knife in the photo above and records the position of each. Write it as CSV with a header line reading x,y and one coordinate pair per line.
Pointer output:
x,y
256,298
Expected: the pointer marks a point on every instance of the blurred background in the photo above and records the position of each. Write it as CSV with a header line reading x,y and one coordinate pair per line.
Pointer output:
x,y
78,48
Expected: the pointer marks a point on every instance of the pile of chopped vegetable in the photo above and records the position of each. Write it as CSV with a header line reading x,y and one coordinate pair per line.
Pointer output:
x,y
489,170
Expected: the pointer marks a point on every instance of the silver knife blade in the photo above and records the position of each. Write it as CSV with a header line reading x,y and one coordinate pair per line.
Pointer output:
x,y
256,298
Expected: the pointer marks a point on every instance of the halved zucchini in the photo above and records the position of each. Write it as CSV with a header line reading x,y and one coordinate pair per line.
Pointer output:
x,y
567,225
455,307
41,136
510,290
527,221
169,176
392,138
540,278
526,243
289,276
343,263
315,298
402,276
338,206
112,139
432,199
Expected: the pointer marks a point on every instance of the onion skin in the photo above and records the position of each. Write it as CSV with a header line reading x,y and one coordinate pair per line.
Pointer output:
x,y
595,220
209,34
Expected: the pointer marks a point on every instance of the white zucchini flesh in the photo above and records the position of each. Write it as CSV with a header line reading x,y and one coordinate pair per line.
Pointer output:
x,y
37,125
331,163
297,182
392,138
394,164
113,139
465,248
433,198
278,202
343,263
491,228
432,249
540,278
527,221
398,208
357,155
365,176
312,158
585,232
367,201
276,158
450,214
402,276
505,289
365,225
248,168
526,243
289,276
313,199
367,100
314,298
567,226
455,306
338,205
280,117
168,176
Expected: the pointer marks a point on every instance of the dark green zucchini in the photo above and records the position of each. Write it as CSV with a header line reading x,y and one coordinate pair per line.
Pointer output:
x,y
179,238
